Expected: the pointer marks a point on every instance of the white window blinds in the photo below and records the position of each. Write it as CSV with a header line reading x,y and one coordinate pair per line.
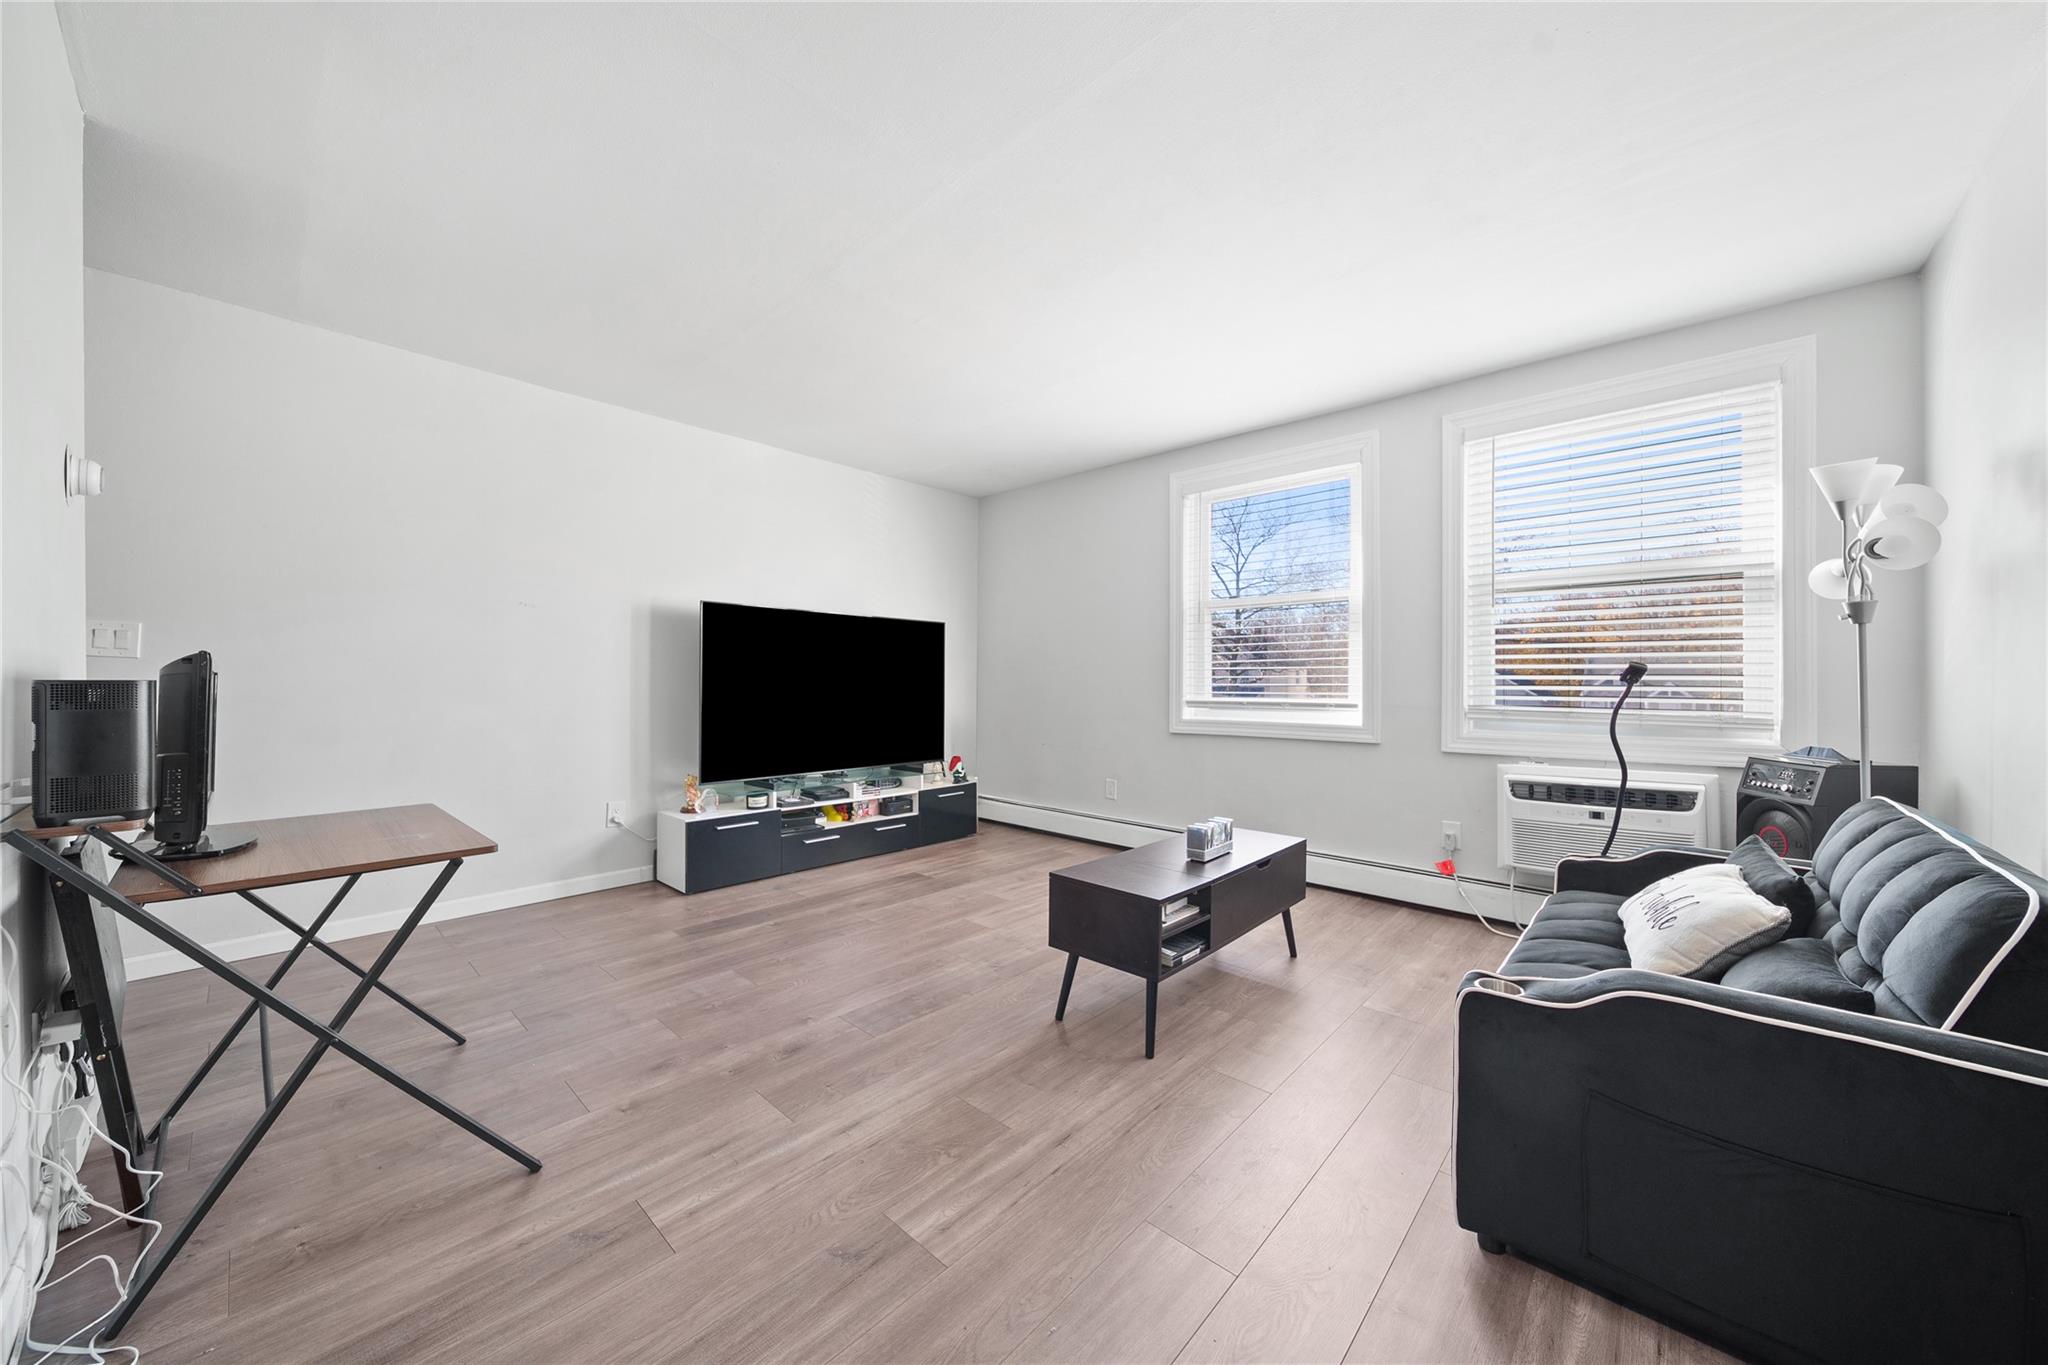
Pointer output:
x,y
1272,599
1651,534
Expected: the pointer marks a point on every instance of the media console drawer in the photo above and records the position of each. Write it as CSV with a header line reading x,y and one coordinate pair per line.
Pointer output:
x,y
946,813
823,845
743,848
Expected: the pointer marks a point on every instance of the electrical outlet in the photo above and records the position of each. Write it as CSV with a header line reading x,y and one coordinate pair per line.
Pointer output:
x,y
614,814
1109,788
1454,834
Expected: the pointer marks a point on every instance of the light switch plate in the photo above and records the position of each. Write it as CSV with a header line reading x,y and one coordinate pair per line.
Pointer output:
x,y
113,639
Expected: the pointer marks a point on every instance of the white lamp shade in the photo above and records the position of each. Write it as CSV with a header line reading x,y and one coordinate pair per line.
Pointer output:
x,y
1843,481
1901,542
1880,482
1828,580
1915,500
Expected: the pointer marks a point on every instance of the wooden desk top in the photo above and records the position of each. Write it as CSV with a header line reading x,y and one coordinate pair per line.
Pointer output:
x,y
23,821
1162,872
312,848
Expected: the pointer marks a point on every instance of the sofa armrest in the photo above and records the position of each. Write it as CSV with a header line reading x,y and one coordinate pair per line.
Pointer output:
x,y
1792,1181
1626,876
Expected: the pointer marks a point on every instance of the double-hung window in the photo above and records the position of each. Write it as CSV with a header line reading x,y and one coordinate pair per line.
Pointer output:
x,y
1275,613
1642,522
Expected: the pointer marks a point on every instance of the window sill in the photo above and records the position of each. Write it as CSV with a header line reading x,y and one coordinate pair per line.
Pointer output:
x,y
1261,727
1643,748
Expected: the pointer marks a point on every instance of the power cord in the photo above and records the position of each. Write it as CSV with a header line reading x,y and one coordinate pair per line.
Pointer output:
x,y
91,1349
1480,915
77,1200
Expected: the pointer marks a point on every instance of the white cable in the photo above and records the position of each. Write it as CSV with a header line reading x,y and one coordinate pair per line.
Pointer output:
x,y
1459,882
91,1349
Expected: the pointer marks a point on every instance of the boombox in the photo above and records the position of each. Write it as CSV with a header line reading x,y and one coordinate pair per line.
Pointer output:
x,y
1792,801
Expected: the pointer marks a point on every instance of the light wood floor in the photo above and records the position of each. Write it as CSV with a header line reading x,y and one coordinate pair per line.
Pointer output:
x,y
831,1117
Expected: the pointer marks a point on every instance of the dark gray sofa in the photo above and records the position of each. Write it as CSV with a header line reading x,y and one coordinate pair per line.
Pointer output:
x,y
1832,1154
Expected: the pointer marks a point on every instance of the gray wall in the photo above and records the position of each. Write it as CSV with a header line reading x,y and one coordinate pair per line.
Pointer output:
x,y
1987,449
1074,608
421,582
42,539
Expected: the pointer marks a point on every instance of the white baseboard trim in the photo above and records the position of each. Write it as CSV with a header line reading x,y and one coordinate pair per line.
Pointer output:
x,y
1413,885
168,960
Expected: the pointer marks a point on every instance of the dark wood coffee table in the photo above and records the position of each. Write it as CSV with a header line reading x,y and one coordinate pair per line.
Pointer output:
x,y
1108,910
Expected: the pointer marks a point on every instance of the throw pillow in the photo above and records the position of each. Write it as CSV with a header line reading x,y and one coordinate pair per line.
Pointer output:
x,y
1770,878
1698,922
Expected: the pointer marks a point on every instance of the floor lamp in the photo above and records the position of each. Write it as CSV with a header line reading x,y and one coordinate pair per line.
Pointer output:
x,y
1885,525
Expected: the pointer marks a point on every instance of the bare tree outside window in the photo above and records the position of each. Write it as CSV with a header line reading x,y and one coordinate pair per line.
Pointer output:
x,y
1281,561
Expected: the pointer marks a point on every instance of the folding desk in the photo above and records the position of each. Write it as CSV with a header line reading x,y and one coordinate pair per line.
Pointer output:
x,y
312,848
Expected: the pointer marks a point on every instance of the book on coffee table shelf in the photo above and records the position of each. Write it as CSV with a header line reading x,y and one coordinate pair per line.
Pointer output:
x,y
1174,914
1181,948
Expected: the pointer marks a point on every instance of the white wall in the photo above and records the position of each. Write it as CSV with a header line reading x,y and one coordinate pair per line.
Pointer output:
x,y
422,582
1075,603
1987,449
42,540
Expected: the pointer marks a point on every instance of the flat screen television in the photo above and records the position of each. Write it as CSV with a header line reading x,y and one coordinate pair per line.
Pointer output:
x,y
815,691
186,718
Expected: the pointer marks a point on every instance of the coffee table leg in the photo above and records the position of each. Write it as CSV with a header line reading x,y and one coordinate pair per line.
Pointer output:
x,y
1287,923
1073,961
1151,1012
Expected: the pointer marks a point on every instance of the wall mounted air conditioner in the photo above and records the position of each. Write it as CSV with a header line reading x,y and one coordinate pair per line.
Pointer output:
x,y
1549,812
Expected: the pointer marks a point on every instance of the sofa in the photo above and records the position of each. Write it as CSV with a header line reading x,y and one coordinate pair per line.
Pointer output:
x,y
1832,1153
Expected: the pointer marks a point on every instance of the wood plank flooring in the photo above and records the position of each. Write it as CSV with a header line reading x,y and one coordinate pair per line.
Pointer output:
x,y
830,1117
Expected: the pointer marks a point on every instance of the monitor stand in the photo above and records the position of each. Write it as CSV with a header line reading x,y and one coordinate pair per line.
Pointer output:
x,y
205,848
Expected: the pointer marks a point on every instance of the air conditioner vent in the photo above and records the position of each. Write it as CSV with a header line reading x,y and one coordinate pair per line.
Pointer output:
x,y
1576,794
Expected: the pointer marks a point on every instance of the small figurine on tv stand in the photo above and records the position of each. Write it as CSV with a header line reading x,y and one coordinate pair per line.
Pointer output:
x,y
958,769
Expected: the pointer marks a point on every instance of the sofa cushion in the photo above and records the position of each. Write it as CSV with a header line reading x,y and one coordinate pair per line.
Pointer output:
x,y
1699,922
1799,969
1575,933
1770,878
1940,930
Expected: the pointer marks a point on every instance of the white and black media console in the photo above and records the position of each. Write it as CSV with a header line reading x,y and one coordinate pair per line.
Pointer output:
x,y
728,846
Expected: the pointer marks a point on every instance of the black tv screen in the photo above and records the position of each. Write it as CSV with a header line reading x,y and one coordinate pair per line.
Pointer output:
x,y
815,691
185,721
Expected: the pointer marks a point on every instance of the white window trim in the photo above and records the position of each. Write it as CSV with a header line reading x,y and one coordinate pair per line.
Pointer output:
x,y
1361,450
1791,364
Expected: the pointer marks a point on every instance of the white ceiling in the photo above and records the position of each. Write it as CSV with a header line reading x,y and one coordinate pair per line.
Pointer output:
x,y
983,245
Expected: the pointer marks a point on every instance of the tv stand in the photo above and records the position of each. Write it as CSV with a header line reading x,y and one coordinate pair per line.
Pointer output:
x,y
702,852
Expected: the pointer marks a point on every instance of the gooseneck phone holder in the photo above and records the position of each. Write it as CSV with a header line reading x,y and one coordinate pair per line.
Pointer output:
x,y
1630,676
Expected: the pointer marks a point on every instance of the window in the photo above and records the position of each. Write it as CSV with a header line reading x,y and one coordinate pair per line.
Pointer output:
x,y
1590,530
1275,618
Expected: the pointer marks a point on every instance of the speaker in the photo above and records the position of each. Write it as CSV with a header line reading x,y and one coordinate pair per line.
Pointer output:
x,y
95,749
1791,802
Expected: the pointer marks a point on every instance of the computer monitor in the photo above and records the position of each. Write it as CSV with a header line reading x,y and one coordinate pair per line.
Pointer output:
x,y
186,717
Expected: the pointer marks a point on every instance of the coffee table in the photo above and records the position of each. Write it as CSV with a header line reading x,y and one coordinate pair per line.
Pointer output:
x,y
1108,910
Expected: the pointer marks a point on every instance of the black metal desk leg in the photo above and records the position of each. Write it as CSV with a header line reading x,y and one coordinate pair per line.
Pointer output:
x,y
227,1039
1287,923
1073,961
1151,1012
307,938
263,1045
146,1276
